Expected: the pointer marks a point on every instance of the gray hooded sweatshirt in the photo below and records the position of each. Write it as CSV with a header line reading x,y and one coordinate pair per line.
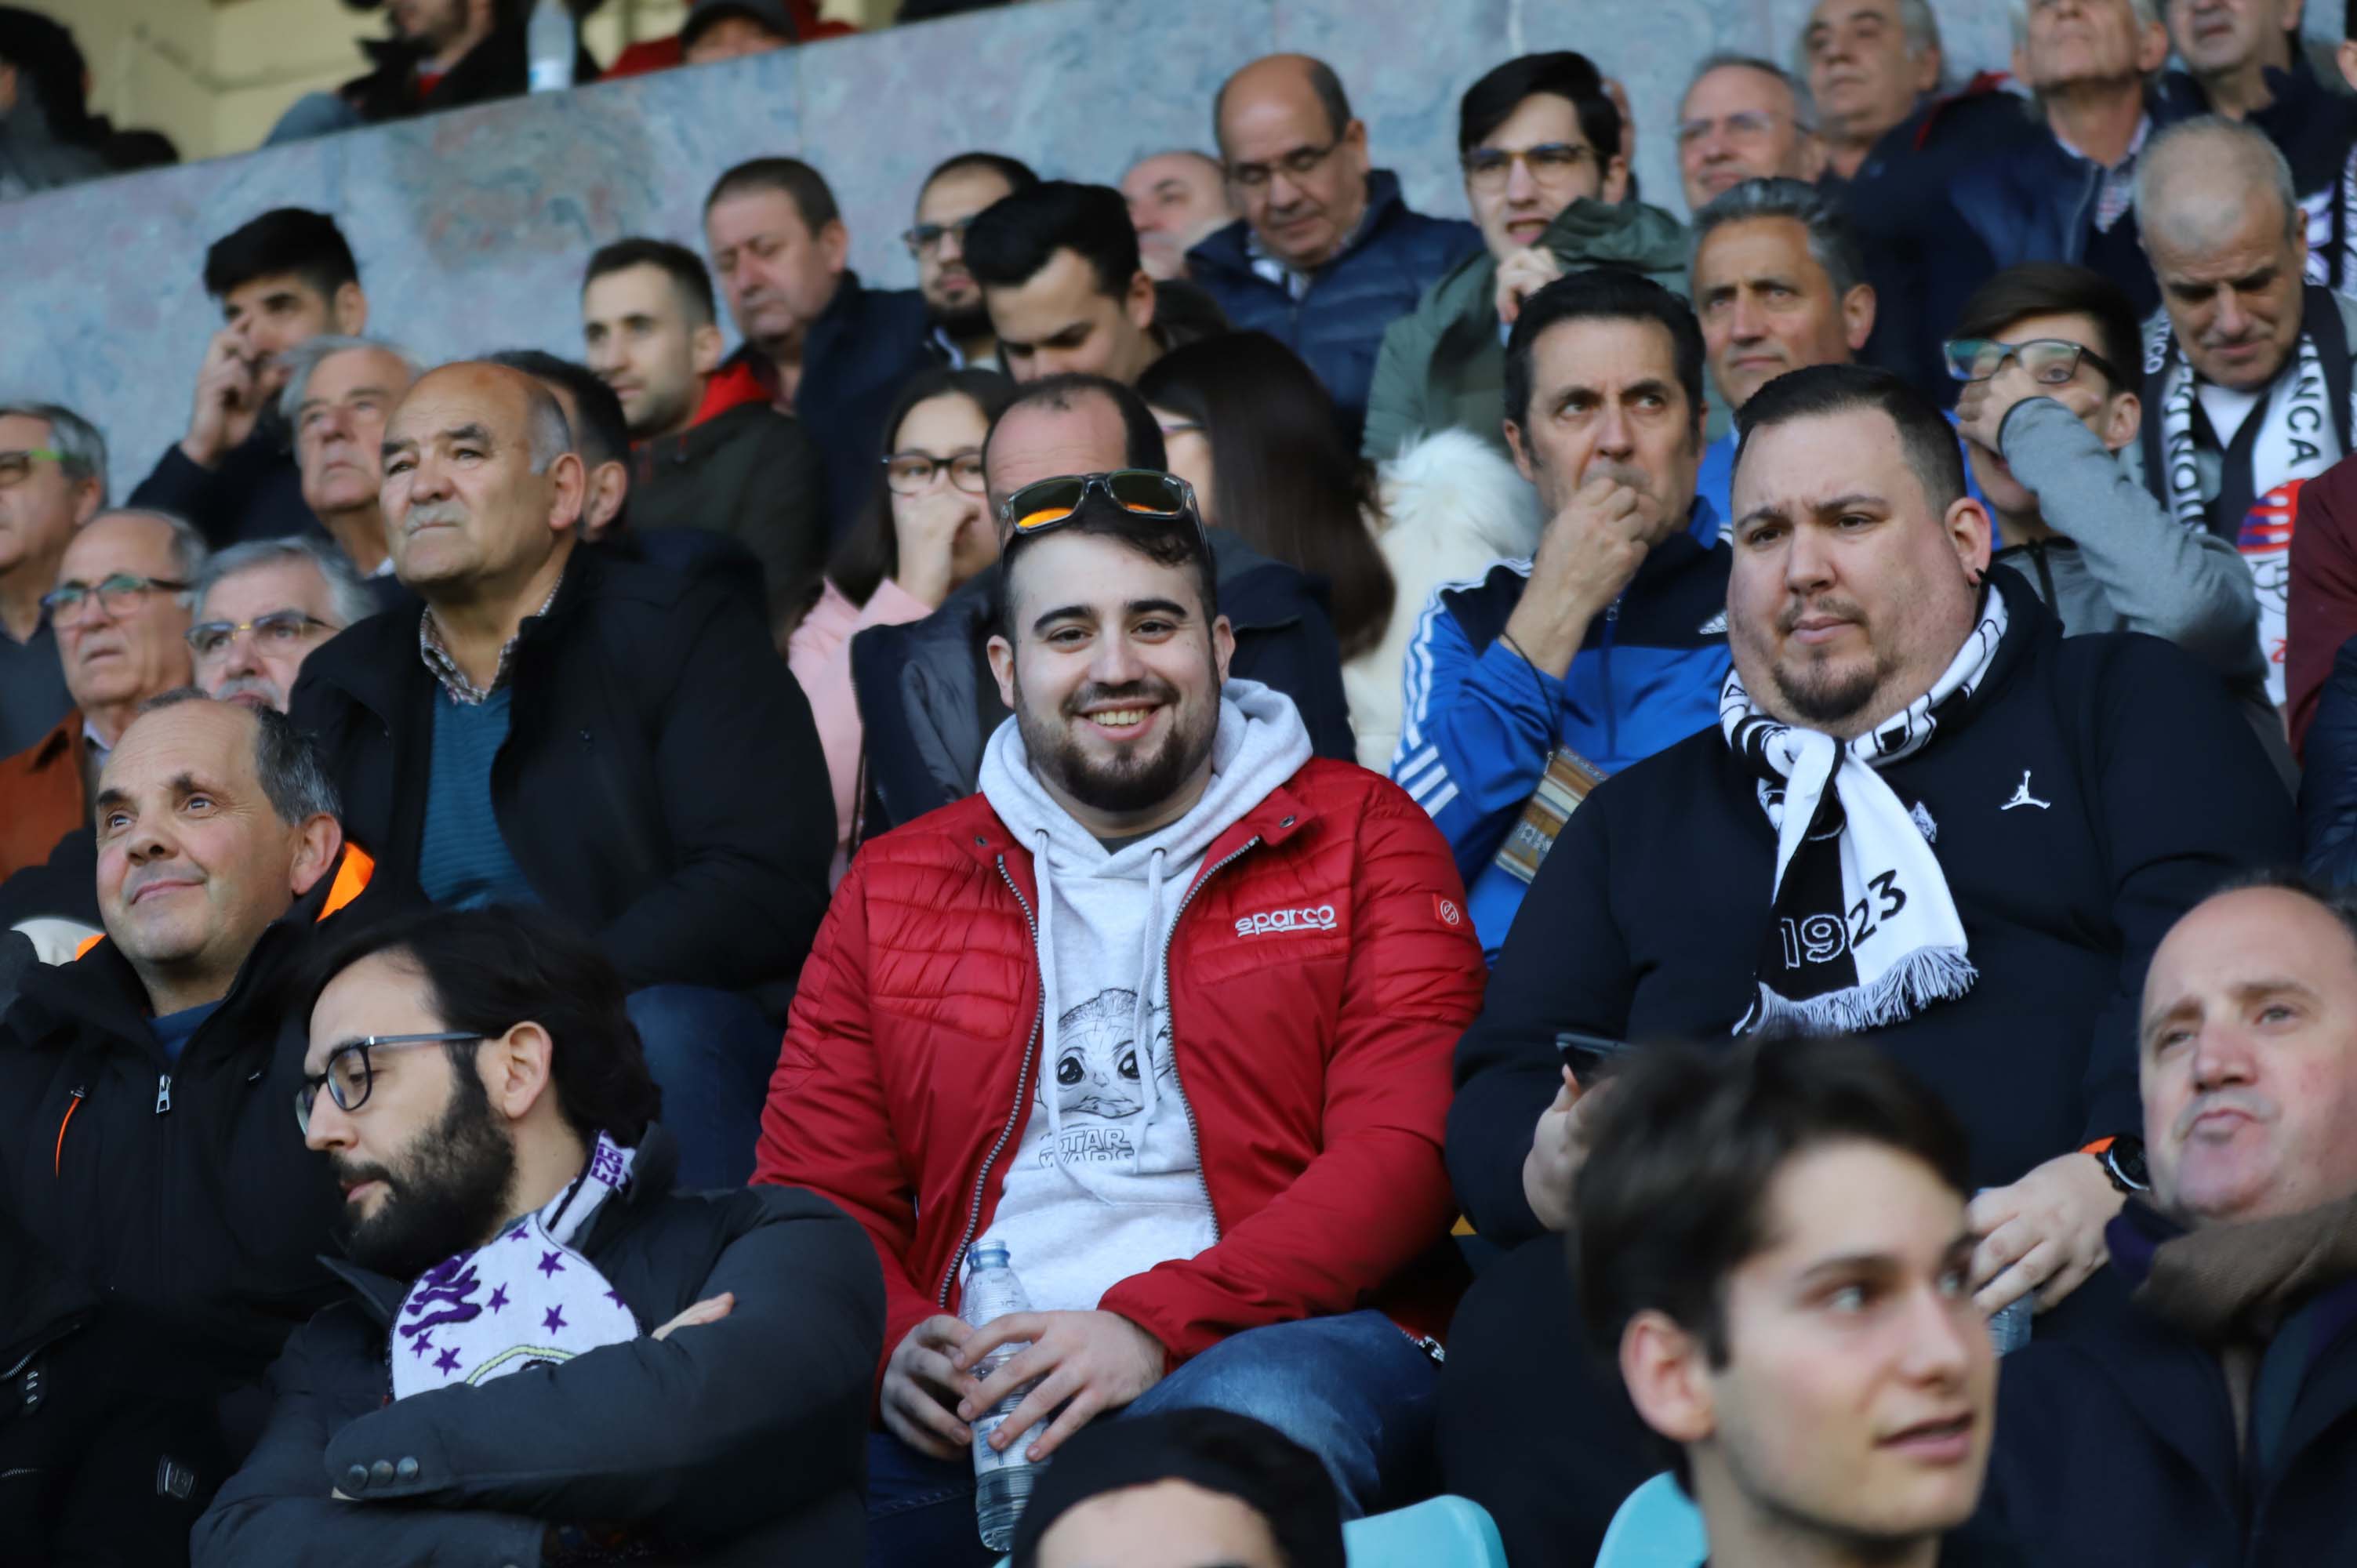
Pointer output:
x,y
1107,1181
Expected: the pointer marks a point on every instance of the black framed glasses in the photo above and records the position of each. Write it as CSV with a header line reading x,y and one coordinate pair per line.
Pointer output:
x,y
913,473
1299,164
16,465
118,594
2050,361
1549,163
1147,494
924,239
351,1074
279,628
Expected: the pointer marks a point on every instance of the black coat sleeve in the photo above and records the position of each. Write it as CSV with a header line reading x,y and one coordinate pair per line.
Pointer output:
x,y
64,886
785,500
2328,785
2186,796
1564,966
748,808
1302,659
280,1508
701,1436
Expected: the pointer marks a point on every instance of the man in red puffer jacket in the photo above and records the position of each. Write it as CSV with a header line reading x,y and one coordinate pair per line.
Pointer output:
x,y
1219,1174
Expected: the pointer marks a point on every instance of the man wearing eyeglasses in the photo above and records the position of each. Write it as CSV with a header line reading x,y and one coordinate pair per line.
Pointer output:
x,y
1539,141
2048,356
1744,118
52,480
1326,255
708,448
947,203
1185,1054
262,608
167,1216
121,612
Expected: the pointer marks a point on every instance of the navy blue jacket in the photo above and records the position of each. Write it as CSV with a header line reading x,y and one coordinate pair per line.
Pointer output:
x,y
2115,1439
1478,722
256,491
1338,326
928,702
1647,916
861,351
2030,199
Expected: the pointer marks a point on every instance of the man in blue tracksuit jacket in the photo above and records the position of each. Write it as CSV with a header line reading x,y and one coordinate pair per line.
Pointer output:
x,y
1611,641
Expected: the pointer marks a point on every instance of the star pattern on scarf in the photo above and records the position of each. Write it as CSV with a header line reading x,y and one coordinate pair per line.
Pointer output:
x,y
422,1343
549,1265
445,1362
498,1298
554,1320
616,1297
521,1233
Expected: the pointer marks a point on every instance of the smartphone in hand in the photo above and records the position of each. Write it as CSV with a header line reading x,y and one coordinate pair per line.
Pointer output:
x,y
1590,1057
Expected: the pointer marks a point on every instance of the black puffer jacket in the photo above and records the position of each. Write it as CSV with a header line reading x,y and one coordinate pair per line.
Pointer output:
x,y
739,1441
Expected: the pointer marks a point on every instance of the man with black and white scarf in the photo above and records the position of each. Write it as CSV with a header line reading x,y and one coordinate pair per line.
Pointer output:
x,y
1926,817
2247,389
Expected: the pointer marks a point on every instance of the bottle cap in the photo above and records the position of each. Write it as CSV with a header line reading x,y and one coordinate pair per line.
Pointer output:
x,y
989,1255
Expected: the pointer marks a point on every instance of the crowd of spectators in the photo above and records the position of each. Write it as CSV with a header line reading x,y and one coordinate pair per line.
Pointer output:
x,y
1501,856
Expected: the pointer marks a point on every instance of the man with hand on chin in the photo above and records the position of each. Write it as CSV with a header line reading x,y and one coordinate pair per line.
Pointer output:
x,y
1183,1056
1906,743
475,1083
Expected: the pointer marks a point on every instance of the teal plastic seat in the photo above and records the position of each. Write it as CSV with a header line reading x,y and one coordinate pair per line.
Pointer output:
x,y
1439,1533
1656,1527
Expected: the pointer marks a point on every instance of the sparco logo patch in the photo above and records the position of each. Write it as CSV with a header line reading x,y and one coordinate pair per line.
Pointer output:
x,y
1318,919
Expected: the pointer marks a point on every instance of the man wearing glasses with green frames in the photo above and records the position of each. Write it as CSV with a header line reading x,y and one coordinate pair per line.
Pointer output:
x,y
1326,255
2047,355
1539,139
52,480
121,612
171,1218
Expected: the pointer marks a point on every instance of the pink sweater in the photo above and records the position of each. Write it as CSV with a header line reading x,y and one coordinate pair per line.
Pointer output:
x,y
819,653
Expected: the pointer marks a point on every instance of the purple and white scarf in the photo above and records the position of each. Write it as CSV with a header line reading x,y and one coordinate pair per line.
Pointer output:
x,y
524,1299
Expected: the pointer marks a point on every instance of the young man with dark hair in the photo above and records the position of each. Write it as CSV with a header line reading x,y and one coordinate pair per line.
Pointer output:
x,y
1326,253
1539,141
284,278
1060,278
710,450
1772,1249
693,1364
1907,742
828,349
1225,1189
927,699
1610,642
447,54
1192,1487
732,29
958,191
2050,356
160,1221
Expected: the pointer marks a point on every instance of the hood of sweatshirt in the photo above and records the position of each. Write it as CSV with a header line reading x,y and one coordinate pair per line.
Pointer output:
x,y
1116,906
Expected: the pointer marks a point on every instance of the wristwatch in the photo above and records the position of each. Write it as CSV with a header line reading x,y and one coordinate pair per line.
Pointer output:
x,y
2121,1157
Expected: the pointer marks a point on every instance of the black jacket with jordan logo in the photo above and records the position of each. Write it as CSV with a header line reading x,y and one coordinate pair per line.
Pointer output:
x,y
2093,790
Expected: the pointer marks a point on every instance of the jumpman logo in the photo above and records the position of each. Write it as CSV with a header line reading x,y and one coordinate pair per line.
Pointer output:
x,y
2022,797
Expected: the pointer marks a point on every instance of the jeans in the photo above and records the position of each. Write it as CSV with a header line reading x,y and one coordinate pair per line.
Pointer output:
x,y
1352,1390
313,114
711,1052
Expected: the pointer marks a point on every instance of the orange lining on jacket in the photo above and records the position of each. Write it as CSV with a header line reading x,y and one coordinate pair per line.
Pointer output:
x,y
351,880
57,1159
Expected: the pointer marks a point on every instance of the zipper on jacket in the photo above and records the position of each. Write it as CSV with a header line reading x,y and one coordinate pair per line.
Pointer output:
x,y
1604,653
163,1092
1022,1098
1169,1003
73,1103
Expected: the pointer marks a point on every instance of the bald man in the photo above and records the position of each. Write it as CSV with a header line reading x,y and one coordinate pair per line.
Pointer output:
x,y
1176,200
2246,397
564,728
1326,255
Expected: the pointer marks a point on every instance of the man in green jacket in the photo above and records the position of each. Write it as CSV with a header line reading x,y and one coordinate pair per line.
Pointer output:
x,y
1540,142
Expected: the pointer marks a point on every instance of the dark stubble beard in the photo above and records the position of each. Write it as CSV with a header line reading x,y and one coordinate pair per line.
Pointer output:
x,y
1134,781
445,1194
961,325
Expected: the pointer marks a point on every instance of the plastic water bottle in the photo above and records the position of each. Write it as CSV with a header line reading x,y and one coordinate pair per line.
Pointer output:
x,y
550,42
1002,1482
2009,1325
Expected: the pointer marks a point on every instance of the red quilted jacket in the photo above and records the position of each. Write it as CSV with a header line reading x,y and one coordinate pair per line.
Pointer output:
x,y
1321,971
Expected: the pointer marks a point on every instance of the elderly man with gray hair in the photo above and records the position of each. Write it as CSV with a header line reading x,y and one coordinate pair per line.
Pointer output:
x,y
1744,118
262,607
567,727
52,480
339,392
2246,382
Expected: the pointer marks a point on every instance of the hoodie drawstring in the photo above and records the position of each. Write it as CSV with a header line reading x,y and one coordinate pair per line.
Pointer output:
x,y
1052,1013
1141,1023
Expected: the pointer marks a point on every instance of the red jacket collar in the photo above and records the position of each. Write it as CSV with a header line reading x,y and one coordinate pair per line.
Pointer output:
x,y
1280,814
732,386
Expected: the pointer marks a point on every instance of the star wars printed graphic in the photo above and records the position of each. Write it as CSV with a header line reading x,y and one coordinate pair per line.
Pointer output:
x,y
1099,1080
2265,545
